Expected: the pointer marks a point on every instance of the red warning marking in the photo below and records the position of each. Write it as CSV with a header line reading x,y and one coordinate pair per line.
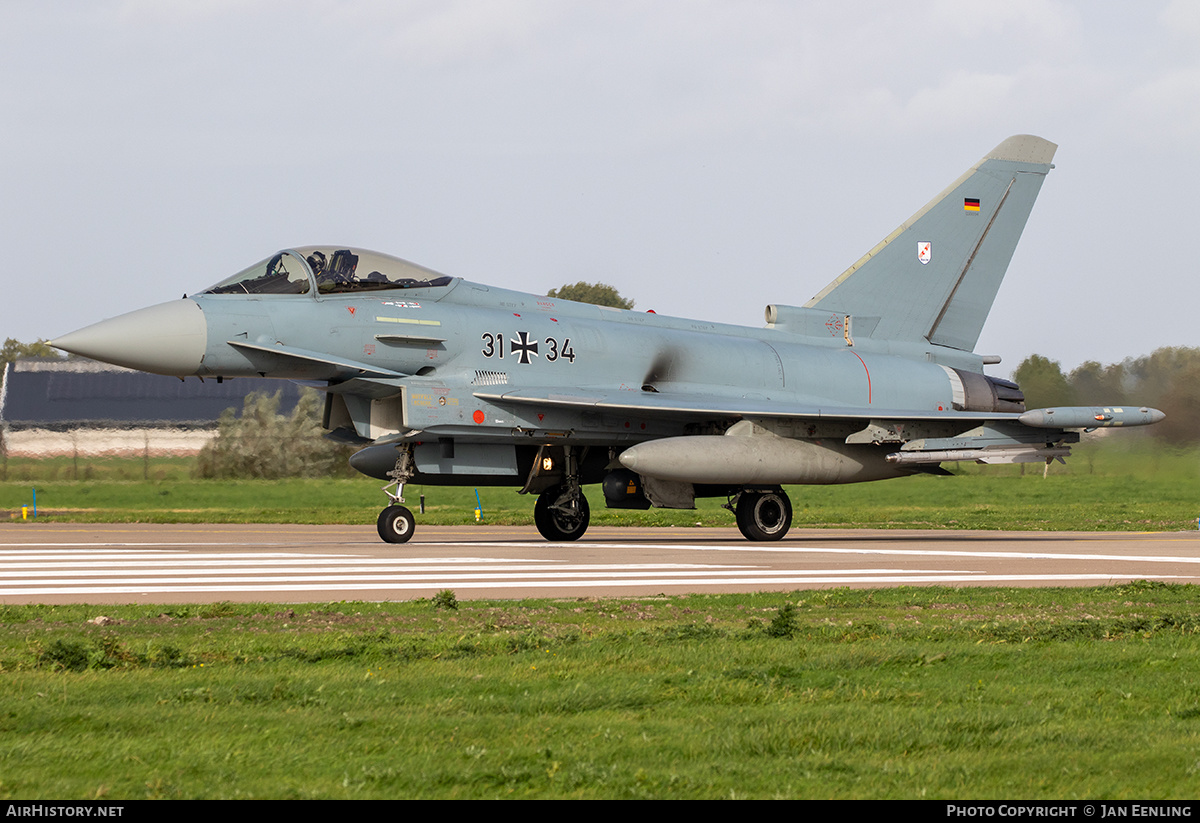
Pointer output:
x,y
541,417
478,416
868,371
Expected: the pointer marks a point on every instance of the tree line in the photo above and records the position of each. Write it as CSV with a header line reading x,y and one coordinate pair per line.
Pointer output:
x,y
15,350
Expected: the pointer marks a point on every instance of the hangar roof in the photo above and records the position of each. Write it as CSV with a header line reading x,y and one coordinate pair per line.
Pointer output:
x,y
66,393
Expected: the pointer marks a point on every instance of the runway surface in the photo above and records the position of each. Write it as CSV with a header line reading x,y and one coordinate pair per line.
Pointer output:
x,y
64,563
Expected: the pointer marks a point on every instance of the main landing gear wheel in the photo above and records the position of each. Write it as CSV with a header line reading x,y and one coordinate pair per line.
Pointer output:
x,y
396,524
764,515
561,516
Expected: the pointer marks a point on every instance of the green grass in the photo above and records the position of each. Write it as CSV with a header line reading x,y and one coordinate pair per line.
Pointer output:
x,y
1130,486
902,693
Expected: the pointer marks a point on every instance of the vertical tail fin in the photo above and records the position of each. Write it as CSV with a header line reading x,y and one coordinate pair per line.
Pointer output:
x,y
936,276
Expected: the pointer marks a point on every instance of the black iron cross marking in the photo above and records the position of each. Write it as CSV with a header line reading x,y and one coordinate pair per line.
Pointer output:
x,y
524,346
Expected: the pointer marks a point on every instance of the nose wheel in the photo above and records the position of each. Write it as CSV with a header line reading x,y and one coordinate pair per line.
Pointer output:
x,y
396,524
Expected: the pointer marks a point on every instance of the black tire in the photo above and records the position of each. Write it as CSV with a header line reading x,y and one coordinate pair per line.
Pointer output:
x,y
558,525
396,524
764,515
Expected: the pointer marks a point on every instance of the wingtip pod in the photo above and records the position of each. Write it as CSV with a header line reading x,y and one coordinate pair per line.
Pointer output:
x,y
1024,148
1089,417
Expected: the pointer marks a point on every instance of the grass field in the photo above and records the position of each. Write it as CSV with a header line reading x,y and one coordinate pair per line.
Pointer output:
x,y
1127,487
902,693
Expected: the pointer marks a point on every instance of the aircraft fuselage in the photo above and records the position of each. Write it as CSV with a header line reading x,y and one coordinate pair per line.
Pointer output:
x,y
445,381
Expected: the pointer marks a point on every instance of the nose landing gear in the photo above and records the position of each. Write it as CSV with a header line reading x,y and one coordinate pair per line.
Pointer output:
x,y
396,523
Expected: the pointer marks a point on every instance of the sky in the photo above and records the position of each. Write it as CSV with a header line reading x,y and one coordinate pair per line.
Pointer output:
x,y
706,158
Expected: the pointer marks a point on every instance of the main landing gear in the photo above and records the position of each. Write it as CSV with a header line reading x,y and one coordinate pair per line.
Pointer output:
x,y
762,514
562,513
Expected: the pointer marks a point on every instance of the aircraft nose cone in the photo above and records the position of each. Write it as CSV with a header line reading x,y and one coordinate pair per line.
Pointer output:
x,y
169,338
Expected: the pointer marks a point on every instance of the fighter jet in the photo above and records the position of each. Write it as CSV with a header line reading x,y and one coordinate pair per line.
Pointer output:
x,y
447,382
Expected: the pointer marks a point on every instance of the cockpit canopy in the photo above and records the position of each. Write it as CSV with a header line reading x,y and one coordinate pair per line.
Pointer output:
x,y
331,271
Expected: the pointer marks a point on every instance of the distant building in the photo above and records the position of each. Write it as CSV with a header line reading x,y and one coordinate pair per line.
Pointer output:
x,y
81,407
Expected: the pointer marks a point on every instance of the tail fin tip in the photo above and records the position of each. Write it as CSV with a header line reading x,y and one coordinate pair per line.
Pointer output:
x,y
1024,148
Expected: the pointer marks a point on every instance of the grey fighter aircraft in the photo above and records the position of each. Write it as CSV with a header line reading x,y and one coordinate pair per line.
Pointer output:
x,y
447,382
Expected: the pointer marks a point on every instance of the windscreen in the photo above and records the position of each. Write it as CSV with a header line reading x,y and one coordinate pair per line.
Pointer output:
x,y
281,274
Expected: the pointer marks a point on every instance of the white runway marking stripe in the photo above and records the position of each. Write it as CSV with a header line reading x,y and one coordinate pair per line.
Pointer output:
x,y
81,557
978,555
588,573
357,564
